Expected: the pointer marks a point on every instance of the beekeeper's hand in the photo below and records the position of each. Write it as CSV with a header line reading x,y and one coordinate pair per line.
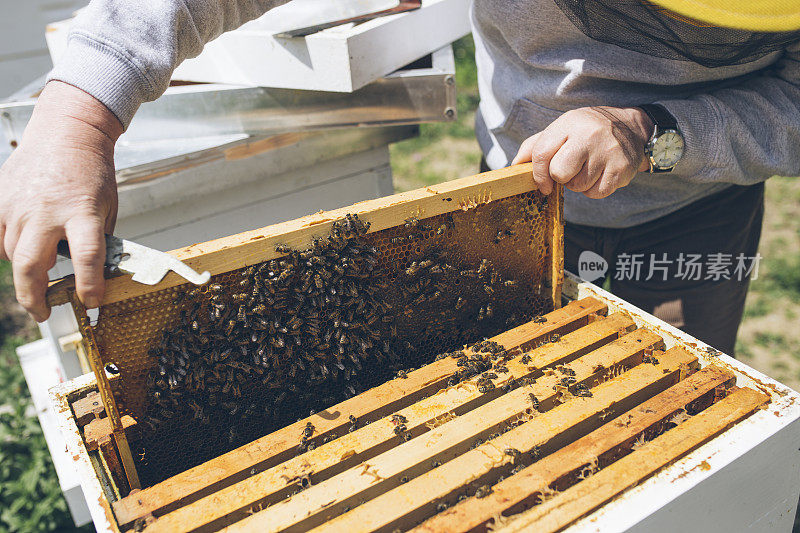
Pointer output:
x,y
59,183
593,150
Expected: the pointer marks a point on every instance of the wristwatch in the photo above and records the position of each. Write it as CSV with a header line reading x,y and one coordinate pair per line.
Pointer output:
x,y
666,145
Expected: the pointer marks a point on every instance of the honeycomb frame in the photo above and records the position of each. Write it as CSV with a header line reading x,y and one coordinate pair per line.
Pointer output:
x,y
472,209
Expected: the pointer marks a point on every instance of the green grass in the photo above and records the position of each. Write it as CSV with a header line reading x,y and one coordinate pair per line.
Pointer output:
x,y
30,497
443,150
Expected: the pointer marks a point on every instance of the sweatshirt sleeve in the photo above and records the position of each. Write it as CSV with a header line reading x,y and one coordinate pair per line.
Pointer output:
x,y
123,52
746,133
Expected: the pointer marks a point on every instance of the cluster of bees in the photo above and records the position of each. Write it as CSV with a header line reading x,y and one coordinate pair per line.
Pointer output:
x,y
289,332
305,331
485,359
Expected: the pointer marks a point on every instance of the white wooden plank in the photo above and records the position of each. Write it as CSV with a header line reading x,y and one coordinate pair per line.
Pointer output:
x,y
340,59
304,160
259,204
96,498
337,59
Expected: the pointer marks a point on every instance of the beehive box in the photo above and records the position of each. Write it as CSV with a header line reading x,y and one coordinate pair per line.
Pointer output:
x,y
560,412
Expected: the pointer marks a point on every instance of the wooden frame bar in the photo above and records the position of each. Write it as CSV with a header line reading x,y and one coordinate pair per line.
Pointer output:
x,y
374,404
583,498
103,385
530,484
88,408
252,247
547,432
352,449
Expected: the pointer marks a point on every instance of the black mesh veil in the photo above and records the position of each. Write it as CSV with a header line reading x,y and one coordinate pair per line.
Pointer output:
x,y
641,26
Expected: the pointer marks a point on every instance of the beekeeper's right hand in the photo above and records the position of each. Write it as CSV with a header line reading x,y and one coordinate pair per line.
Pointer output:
x,y
59,184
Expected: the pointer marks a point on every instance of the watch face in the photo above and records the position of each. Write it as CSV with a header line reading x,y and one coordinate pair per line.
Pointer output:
x,y
667,149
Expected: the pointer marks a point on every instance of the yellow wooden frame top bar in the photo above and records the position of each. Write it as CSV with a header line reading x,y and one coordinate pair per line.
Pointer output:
x,y
255,246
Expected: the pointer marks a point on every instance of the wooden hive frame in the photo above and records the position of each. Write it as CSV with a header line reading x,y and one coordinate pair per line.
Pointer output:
x,y
603,340
254,247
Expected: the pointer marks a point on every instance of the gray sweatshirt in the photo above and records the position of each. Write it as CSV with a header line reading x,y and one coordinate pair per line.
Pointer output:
x,y
741,123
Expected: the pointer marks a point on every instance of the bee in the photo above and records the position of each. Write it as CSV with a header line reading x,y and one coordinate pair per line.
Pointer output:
x,y
536,453
399,419
308,430
304,481
441,507
483,491
713,352
469,273
510,283
514,453
488,289
411,222
489,311
400,429
460,303
441,229
539,320
650,359
435,464
566,370
215,287
482,313
534,401
412,269
282,249
402,374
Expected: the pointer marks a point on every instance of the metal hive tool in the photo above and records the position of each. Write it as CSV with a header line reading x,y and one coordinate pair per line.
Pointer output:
x,y
490,246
